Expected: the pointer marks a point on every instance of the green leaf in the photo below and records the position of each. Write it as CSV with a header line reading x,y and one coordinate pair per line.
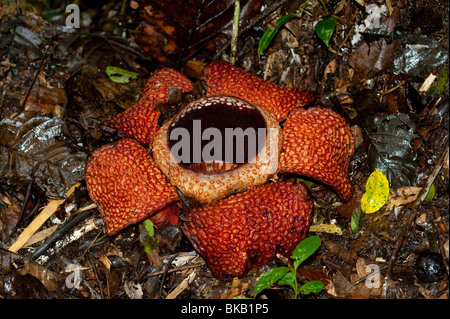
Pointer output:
x,y
288,279
119,75
325,29
377,192
148,225
439,87
50,15
268,36
305,249
441,81
431,194
147,236
357,220
313,286
269,278
304,181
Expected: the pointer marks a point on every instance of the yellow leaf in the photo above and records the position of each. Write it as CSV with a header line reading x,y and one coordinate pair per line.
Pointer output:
x,y
377,192
326,228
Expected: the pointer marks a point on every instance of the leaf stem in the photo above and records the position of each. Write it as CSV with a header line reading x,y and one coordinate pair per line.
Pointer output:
x,y
295,284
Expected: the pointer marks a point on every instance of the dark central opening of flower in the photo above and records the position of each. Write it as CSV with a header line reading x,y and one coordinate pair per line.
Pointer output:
x,y
216,134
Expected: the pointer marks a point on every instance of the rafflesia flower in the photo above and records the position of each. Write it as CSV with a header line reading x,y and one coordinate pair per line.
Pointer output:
x,y
220,156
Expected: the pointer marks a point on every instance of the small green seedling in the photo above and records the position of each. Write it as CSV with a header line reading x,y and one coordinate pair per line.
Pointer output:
x,y
324,29
147,236
287,275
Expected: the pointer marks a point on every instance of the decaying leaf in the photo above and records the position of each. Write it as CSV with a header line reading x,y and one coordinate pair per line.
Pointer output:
x,y
28,39
402,196
389,147
36,145
9,218
418,59
44,98
342,288
173,30
10,261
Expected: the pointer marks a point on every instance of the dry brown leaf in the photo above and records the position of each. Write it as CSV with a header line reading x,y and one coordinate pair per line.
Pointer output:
x,y
363,270
401,196
331,68
44,98
40,236
342,288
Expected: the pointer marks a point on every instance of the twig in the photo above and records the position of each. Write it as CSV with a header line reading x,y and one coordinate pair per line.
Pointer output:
x,y
180,268
392,89
90,245
412,213
37,74
166,270
182,286
22,211
100,286
234,36
51,207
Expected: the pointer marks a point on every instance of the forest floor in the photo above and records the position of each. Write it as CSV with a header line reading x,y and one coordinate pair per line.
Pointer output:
x,y
385,68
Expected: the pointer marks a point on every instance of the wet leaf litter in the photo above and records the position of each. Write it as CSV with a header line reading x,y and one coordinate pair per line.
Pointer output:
x,y
376,82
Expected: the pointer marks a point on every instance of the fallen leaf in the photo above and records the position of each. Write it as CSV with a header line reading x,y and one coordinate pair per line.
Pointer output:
x,y
40,236
344,288
390,149
402,196
417,59
51,280
347,209
35,145
372,59
377,192
133,289
326,228
44,98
